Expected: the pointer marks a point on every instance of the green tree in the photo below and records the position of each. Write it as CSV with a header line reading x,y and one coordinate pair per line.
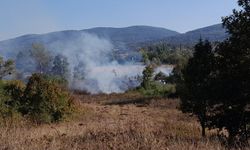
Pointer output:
x,y
6,67
147,77
41,57
196,77
79,71
24,62
145,58
60,67
233,75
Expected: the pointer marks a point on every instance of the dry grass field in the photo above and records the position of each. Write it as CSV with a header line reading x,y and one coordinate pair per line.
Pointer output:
x,y
116,121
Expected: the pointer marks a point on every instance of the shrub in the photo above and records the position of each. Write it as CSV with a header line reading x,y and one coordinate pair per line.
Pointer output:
x,y
154,85
9,106
158,89
45,101
56,79
14,90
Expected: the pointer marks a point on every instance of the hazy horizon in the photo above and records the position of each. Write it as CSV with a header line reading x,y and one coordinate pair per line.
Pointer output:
x,y
44,16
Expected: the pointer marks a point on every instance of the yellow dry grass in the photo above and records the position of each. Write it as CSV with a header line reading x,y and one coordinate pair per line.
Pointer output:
x,y
114,122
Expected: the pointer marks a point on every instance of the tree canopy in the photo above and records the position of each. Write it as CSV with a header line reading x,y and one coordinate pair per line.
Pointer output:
x,y
196,77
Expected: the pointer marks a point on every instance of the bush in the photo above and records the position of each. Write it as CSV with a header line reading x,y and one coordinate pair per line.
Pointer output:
x,y
45,101
9,107
155,85
56,79
158,89
15,90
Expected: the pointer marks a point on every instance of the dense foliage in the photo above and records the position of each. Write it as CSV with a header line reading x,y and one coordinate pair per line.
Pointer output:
x,y
42,58
195,93
215,84
165,54
42,100
232,82
153,85
45,101
9,108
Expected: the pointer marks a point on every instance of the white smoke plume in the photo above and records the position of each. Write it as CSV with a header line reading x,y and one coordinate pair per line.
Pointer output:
x,y
101,74
97,69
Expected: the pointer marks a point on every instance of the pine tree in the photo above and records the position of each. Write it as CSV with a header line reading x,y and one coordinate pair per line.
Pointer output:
x,y
196,83
233,75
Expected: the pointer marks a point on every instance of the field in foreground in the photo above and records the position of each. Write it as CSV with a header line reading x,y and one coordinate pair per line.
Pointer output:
x,y
117,121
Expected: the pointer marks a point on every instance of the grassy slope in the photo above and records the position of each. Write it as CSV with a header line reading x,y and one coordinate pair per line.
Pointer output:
x,y
114,122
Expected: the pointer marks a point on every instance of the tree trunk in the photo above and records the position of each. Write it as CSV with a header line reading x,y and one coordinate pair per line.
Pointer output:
x,y
203,129
202,119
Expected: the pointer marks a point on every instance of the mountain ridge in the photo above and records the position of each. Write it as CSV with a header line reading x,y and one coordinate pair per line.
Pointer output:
x,y
88,30
123,39
212,33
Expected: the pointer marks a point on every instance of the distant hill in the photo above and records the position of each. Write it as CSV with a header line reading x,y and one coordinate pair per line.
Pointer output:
x,y
212,33
121,38
125,40
132,34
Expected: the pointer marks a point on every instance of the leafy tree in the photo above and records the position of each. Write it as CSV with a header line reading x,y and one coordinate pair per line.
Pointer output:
x,y
41,57
195,87
24,61
6,67
145,57
79,71
147,77
60,67
233,75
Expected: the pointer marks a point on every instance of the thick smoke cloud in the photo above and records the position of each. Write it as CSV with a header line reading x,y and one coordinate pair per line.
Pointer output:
x,y
92,64
99,72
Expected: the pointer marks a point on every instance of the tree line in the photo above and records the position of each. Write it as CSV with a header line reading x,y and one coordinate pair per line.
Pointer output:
x,y
162,53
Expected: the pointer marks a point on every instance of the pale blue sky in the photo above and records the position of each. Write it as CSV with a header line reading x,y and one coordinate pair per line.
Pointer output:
x,y
20,17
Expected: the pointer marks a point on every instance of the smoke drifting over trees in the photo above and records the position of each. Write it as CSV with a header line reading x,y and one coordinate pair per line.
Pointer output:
x,y
91,64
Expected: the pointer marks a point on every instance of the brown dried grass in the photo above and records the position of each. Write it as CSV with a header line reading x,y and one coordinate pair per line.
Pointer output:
x,y
156,124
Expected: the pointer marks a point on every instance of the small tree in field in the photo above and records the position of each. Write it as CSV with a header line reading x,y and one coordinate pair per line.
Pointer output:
x,y
60,67
41,57
196,77
147,77
6,67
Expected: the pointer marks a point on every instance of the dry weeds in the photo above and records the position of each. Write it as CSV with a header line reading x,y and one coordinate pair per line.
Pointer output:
x,y
107,125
